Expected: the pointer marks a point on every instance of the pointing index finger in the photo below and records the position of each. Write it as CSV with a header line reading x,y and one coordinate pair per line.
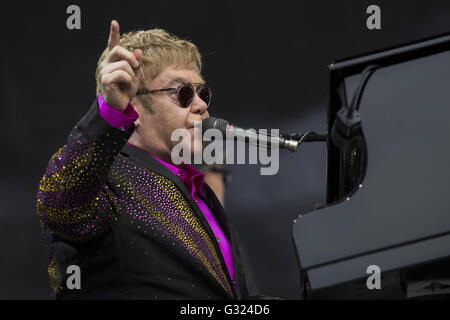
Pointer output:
x,y
114,35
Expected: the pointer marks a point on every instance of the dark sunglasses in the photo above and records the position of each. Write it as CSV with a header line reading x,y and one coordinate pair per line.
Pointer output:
x,y
186,93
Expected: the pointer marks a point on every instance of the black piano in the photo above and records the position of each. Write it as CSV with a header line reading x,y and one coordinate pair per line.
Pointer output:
x,y
388,180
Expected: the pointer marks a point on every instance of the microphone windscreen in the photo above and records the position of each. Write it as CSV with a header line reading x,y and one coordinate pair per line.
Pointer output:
x,y
216,123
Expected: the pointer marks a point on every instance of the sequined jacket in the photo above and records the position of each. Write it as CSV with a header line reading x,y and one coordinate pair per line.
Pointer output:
x,y
128,223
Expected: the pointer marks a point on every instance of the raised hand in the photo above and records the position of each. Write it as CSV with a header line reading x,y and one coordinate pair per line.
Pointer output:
x,y
119,82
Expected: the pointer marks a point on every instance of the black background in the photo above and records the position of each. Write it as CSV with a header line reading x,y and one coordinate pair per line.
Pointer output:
x,y
267,65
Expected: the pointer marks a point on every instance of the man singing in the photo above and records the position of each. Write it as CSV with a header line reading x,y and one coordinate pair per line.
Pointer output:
x,y
112,202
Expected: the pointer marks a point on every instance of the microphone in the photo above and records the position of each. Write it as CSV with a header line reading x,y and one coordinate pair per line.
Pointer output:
x,y
250,136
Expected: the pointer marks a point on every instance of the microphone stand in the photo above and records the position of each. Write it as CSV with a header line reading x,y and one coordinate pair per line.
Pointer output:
x,y
295,139
308,136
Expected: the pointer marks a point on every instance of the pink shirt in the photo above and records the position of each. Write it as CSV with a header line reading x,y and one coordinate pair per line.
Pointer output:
x,y
191,177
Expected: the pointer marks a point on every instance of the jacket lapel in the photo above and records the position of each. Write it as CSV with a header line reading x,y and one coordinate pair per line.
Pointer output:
x,y
219,213
142,158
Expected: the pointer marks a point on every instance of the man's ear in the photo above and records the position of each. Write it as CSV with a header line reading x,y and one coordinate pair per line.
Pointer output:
x,y
137,105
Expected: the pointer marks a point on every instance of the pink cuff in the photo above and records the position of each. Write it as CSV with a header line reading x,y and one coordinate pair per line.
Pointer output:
x,y
120,120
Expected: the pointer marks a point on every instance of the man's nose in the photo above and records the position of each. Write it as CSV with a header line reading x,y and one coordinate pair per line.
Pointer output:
x,y
198,105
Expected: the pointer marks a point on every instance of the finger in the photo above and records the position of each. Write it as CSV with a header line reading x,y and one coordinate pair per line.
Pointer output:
x,y
120,53
114,35
138,55
119,65
117,77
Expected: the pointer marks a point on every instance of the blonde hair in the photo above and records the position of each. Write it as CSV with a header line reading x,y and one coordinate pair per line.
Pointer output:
x,y
160,49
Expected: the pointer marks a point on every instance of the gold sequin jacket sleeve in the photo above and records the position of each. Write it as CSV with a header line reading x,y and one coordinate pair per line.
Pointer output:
x,y
74,201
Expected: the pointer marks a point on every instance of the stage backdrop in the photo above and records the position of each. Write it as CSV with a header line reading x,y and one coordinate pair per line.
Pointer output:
x,y
267,64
